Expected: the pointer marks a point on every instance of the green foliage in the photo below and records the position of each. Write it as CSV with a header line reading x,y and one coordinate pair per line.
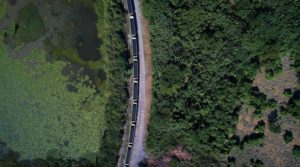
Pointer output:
x,y
294,109
114,52
259,101
112,73
170,79
89,3
205,57
174,162
30,25
275,127
72,55
287,93
288,136
257,163
296,151
255,142
77,98
260,127
43,113
254,139
3,8
293,106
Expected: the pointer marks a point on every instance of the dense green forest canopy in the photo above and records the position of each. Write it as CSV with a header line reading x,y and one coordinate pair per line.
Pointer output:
x,y
116,53
206,55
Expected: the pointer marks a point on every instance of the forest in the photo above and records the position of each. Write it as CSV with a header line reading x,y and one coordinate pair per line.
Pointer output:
x,y
65,103
117,55
206,55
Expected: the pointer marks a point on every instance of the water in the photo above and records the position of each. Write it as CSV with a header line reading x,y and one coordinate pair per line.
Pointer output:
x,y
68,25
13,2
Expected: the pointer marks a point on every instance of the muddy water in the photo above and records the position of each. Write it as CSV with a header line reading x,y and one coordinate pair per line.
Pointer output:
x,y
85,32
12,2
68,24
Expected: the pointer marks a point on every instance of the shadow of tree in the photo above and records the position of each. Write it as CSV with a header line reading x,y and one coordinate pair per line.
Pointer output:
x,y
11,158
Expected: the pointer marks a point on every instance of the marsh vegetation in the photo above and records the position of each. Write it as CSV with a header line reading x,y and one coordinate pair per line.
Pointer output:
x,y
63,82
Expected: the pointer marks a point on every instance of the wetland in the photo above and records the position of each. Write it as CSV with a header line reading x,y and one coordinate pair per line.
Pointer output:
x,y
52,102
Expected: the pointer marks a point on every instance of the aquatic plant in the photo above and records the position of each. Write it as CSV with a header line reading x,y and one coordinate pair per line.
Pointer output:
x,y
44,113
30,25
3,6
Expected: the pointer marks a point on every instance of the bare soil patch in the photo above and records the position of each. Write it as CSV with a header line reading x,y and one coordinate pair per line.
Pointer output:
x,y
274,88
149,73
163,161
274,151
246,122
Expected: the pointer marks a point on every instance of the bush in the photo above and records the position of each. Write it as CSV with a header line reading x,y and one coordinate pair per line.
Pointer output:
x,y
256,163
288,136
296,151
260,127
114,51
174,162
253,139
275,128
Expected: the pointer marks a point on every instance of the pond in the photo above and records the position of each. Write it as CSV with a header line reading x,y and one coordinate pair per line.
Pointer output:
x,y
51,112
69,24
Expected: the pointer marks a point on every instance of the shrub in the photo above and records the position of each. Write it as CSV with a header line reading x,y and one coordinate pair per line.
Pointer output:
x,y
275,127
296,151
260,127
288,136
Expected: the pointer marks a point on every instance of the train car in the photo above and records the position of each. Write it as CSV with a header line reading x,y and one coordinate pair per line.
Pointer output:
x,y
134,114
135,91
131,136
133,26
128,156
136,70
135,47
130,6
135,101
